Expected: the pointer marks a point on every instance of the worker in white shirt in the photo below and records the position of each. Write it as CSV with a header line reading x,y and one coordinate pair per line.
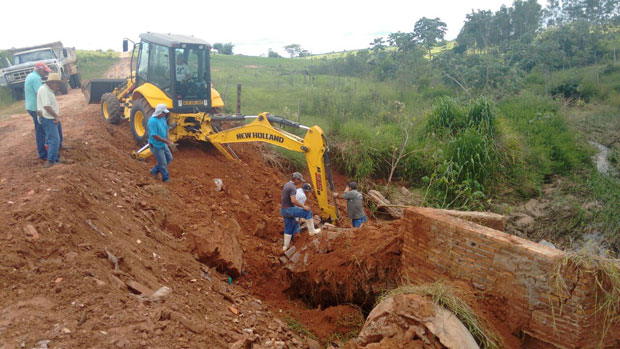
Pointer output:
x,y
49,116
301,197
182,69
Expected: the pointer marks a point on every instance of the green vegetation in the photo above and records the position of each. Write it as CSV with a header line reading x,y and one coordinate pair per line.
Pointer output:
x,y
94,64
444,295
488,119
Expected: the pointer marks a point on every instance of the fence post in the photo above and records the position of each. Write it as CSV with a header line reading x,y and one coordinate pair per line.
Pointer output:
x,y
299,111
239,99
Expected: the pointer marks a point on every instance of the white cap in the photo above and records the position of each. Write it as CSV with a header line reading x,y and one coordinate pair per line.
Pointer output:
x,y
160,108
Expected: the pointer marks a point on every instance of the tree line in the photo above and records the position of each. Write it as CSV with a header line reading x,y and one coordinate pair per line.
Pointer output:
x,y
494,50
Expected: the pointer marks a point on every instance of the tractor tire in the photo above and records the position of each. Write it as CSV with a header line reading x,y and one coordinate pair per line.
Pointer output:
x,y
110,108
141,112
75,81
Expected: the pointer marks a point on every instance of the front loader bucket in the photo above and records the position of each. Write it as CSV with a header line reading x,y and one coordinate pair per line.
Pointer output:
x,y
95,88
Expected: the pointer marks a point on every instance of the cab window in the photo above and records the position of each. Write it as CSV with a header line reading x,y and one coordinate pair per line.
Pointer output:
x,y
159,67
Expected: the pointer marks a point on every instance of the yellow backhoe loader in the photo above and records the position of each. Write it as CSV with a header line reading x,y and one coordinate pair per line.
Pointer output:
x,y
175,70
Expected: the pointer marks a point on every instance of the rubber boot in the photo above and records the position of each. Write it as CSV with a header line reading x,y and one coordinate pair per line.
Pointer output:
x,y
287,242
311,229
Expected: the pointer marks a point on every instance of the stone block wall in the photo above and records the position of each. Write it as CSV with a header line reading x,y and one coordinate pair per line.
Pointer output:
x,y
508,269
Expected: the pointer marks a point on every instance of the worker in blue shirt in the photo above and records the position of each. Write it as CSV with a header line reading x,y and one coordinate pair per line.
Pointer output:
x,y
34,81
159,142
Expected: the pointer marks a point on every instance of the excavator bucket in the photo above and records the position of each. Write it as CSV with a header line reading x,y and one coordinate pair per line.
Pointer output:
x,y
95,88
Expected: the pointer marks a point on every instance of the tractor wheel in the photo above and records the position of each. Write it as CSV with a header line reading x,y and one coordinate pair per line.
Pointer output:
x,y
75,81
110,108
141,112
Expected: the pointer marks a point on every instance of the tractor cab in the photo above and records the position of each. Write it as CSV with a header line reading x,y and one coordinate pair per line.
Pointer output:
x,y
178,65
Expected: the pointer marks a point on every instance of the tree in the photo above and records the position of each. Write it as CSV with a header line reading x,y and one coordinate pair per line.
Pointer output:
x,y
293,49
378,44
273,54
225,49
428,31
402,41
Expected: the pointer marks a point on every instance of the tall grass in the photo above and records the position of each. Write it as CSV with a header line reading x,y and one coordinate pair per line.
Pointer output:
x,y
94,64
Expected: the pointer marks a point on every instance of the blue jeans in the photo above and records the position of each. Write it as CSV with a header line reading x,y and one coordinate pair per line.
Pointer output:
x,y
163,157
39,135
53,138
356,223
290,223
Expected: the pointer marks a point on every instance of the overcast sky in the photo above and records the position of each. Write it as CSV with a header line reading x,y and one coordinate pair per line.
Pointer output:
x,y
252,26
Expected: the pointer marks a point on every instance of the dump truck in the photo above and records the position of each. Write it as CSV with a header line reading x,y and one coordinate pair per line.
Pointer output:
x,y
175,70
59,59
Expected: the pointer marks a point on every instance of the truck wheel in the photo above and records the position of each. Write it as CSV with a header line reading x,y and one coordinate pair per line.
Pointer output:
x,y
141,112
110,108
17,94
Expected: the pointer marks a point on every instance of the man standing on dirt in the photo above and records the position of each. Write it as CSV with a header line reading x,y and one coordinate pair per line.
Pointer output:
x,y
291,209
159,142
34,81
355,204
47,106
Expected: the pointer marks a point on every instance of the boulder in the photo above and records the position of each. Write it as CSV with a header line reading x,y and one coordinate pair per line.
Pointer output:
x,y
413,321
218,249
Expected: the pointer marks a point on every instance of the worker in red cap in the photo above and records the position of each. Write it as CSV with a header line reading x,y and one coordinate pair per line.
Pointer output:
x,y
34,81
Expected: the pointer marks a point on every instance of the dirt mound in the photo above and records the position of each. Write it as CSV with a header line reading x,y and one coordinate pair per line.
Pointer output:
x,y
345,266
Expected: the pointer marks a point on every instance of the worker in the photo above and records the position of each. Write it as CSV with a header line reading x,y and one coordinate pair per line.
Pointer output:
x,y
34,81
301,197
182,69
47,109
159,142
291,209
355,204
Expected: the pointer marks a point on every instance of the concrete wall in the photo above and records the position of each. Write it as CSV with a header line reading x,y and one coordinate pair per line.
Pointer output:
x,y
507,269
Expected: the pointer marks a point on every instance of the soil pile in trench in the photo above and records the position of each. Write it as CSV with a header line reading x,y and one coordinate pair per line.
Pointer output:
x,y
85,244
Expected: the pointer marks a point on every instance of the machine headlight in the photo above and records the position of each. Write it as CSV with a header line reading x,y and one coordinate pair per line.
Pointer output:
x,y
10,78
2,80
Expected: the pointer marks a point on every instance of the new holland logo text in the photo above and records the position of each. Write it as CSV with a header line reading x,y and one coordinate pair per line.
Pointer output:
x,y
260,135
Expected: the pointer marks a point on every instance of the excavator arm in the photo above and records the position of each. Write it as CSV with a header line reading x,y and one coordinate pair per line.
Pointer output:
x,y
313,145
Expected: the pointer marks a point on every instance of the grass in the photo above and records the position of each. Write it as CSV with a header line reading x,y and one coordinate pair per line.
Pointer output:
x,y
299,328
444,295
606,285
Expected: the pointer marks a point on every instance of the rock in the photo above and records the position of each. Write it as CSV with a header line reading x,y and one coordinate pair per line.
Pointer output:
x,y
406,317
283,260
219,184
535,208
245,343
295,257
42,344
66,330
161,294
316,245
233,310
290,252
546,243
312,344
404,191
32,233
218,249
331,235
58,280
524,223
